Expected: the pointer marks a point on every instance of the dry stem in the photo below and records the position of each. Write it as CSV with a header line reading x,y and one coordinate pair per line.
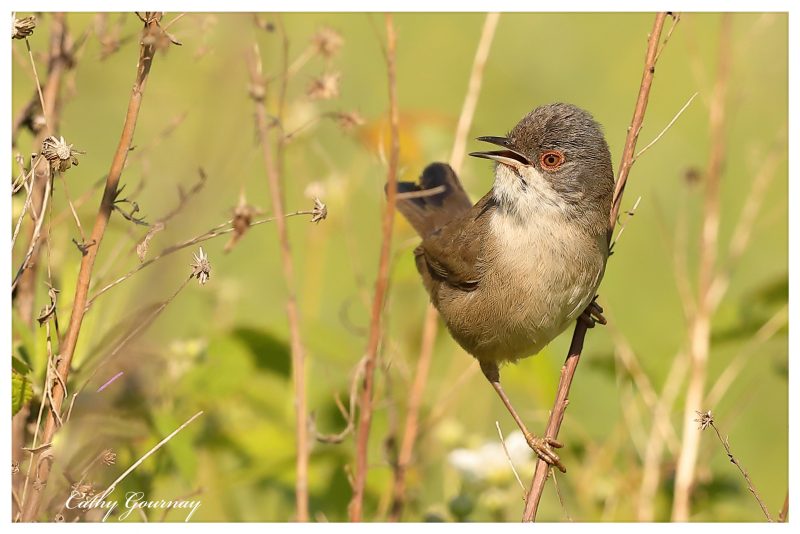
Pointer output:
x,y
578,336
273,168
431,316
700,325
67,350
58,63
146,455
381,285
742,470
220,229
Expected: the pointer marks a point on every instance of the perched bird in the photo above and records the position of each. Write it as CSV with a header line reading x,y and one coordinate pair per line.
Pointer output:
x,y
511,272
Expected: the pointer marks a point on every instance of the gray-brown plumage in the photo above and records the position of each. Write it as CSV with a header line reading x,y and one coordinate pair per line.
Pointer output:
x,y
511,272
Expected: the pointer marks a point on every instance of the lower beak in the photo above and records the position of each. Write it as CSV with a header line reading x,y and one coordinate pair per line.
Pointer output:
x,y
508,156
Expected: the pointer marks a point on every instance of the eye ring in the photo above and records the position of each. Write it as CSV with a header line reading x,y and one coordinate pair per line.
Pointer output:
x,y
551,160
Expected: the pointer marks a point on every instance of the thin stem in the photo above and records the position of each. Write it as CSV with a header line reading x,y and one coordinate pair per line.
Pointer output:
x,y
146,455
578,336
37,230
72,207
510,462
381,285
67,350
666,128
38,84
430,322
274,168
473,90
216,231
59,62
742,470
139,327
700,325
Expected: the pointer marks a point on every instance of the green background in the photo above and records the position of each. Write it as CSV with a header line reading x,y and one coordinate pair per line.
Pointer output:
x,y
222,348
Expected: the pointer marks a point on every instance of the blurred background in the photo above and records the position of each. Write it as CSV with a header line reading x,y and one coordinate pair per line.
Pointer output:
x,y
223,347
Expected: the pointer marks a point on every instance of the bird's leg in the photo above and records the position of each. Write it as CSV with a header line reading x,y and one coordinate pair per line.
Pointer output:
x,y
543,447
593,314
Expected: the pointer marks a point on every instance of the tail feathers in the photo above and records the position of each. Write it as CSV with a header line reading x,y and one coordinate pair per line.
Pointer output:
x,y
428,212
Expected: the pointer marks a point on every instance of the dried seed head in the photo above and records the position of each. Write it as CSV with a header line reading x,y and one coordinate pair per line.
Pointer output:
x,y
325,87
201,267
61,155
327,42
49,310
14,468
23,28
83,490
705,419
347,120
243,215
154,35
109,457
320,211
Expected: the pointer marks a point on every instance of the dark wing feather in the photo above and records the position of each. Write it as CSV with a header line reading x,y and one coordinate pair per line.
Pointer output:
x,y
428,213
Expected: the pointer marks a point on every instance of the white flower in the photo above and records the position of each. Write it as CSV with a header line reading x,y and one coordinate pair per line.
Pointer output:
x,y
489,461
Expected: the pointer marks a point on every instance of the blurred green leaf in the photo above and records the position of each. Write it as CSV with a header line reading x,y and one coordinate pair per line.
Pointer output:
x,y
268,352
21,390
757,307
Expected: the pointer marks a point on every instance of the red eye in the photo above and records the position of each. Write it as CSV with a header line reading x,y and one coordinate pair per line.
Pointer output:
x,y
552,160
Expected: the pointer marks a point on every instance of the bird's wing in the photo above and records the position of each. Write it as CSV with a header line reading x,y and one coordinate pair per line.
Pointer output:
x,y
454,253
431,211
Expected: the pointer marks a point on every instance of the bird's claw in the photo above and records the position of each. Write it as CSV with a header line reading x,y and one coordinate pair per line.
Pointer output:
x,y
543,447
592,315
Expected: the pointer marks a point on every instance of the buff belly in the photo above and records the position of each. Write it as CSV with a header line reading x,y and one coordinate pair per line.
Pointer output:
x,y
537,286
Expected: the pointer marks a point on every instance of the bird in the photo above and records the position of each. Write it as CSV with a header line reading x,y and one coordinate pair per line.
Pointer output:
x,y
511,272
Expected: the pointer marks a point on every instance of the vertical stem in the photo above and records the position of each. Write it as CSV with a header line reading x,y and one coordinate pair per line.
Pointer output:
x,y
700,327
381,286
431,316
42,461
58,63
273,168
571,363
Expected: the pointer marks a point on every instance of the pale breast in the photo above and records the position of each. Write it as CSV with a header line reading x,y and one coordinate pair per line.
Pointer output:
x,y
540,276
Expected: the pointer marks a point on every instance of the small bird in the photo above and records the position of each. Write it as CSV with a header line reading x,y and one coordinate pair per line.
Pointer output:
x,y
511,272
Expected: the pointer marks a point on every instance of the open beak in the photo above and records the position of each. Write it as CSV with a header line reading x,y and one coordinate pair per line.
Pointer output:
x,y
508,156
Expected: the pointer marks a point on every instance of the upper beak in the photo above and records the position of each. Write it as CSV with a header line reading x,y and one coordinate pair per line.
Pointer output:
x,y
509,156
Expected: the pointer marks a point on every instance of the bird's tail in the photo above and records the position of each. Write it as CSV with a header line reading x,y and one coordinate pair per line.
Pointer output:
x,y
434,201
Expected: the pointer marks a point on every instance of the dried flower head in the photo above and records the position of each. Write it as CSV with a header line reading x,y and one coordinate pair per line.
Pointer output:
x,y
109,457
49,310
243,215
61,155
201,267
325,87
14,468
23,28
705,419
83,490
154,34
347,120
327,42
320,211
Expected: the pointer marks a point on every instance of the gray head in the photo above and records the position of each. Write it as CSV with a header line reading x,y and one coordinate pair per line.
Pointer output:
x,y
556,158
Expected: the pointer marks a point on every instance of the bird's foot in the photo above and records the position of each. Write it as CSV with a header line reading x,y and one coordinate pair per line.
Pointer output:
x,y
543,447
593,314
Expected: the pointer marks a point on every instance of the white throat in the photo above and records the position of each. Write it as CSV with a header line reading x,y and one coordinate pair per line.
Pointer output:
x,y
527,196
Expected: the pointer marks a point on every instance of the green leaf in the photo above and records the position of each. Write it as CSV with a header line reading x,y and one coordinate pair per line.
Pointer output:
x,y
21,391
